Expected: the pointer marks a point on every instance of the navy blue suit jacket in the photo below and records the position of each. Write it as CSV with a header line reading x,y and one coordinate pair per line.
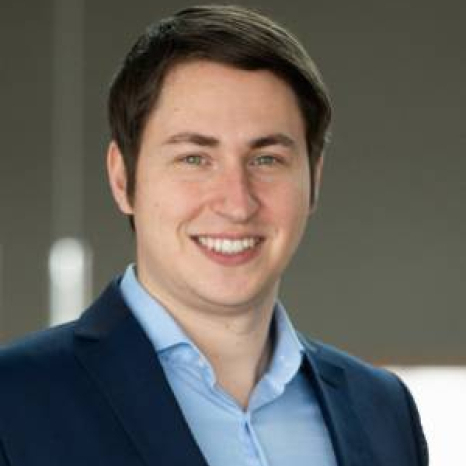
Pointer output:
x,y
93,392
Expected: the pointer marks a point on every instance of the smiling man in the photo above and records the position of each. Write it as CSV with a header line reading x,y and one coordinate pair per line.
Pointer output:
x,y
218,120
237,172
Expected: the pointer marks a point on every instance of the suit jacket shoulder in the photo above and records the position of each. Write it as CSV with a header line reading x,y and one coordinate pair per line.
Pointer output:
x,y
380,402
90,392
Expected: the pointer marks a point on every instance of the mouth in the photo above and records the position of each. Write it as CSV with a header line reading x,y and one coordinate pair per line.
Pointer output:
x,y
227,246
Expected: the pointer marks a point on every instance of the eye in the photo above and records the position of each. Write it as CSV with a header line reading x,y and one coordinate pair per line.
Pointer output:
x,y
194,159
266,160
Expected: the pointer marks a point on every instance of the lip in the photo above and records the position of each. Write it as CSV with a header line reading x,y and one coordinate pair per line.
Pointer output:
x,y
232,259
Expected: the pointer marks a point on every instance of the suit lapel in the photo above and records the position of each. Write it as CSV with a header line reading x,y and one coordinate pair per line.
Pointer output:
x,y
116,353
350,442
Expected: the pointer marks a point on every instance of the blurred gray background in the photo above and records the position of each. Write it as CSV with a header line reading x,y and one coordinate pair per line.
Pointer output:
x,y
382,269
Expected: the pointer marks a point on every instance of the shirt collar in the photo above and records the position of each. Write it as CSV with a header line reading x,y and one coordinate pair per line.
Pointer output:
x,y
158,324
287,354
165,333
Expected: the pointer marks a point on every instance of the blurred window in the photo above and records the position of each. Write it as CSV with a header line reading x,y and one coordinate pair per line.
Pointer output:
x,y
440,394
70,279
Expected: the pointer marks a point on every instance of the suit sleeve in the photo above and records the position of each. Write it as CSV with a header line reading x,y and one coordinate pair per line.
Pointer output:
x,y
3,458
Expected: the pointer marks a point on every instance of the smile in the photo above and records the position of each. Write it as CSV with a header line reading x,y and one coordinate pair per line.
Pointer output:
x,y
228,246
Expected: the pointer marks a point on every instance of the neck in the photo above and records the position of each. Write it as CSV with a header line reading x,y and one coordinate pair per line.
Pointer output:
x,y
239,349
236,340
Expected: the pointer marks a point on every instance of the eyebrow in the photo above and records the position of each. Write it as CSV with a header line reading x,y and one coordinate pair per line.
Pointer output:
x,y
273,139
193,138
276,139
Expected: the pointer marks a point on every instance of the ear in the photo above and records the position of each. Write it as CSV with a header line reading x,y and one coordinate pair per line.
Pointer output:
x,y
317,180
117,178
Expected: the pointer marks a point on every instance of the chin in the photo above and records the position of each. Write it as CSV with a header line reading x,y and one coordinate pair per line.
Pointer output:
x,y
240,297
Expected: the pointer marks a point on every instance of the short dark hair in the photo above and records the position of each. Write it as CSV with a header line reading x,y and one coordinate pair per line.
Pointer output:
x,y
226,34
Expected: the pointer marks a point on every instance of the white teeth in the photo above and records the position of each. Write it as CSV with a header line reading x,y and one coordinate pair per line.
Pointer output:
x,y
227,246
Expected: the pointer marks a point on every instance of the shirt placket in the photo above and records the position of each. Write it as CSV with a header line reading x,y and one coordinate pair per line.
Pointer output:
x,y
253,450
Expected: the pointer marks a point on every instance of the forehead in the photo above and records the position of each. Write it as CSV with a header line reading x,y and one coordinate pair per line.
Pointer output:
x,y
202,91
207,75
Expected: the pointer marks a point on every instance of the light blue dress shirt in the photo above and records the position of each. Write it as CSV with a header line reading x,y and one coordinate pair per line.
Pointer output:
x,y
282,425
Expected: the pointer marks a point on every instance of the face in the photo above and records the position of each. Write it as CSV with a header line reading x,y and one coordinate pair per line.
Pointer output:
x,y
222,187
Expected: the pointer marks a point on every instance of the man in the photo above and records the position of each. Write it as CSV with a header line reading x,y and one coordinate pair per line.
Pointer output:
x,y
219,120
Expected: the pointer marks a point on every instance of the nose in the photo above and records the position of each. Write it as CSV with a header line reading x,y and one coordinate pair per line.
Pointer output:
x,y
235,198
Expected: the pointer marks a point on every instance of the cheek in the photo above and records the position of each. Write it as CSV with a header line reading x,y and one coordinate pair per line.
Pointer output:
x,y
288,202
296,210
169,203
288,215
